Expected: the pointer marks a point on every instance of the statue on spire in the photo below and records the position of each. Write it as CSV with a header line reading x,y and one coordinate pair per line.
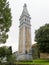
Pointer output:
x,y
25,5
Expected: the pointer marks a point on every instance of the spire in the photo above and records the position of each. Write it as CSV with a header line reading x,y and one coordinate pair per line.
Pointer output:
x,y
25,11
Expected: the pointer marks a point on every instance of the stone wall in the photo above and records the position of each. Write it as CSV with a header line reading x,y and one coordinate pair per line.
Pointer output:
x,y
24,57
44,55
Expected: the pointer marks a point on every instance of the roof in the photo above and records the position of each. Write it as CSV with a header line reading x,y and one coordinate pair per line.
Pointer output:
x,y
34,45
25,11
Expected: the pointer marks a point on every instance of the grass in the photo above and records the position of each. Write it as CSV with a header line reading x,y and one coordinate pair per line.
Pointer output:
x,y
36,61
41,61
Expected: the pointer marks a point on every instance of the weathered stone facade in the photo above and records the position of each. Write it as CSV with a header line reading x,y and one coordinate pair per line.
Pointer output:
x,y
28,39
21,40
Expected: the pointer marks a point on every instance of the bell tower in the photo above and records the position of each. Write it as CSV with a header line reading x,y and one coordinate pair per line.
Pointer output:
x,y
24,36
24,31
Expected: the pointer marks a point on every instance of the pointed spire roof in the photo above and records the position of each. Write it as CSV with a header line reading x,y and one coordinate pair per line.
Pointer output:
x,y
25,11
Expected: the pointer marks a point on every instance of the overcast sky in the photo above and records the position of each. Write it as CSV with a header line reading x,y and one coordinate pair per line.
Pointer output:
x,y
39,12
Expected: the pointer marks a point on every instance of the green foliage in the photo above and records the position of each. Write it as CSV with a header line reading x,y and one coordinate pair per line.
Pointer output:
x,y
7,52
4,52
11,59
42,38
5,20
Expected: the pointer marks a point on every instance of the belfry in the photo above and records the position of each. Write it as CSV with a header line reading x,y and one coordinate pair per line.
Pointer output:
x,y
24,35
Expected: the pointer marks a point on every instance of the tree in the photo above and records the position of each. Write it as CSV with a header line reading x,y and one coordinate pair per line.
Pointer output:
x,y
5,20
11,59
42,38
5,52
5,24
6,55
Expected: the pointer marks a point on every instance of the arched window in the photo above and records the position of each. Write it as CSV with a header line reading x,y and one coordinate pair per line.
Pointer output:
x,y
26,51
25,19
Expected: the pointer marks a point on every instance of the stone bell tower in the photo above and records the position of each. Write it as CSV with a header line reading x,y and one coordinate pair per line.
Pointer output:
x,y
24,33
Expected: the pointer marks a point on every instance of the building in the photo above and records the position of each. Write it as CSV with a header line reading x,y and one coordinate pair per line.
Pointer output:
x,y
35,51
24,52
